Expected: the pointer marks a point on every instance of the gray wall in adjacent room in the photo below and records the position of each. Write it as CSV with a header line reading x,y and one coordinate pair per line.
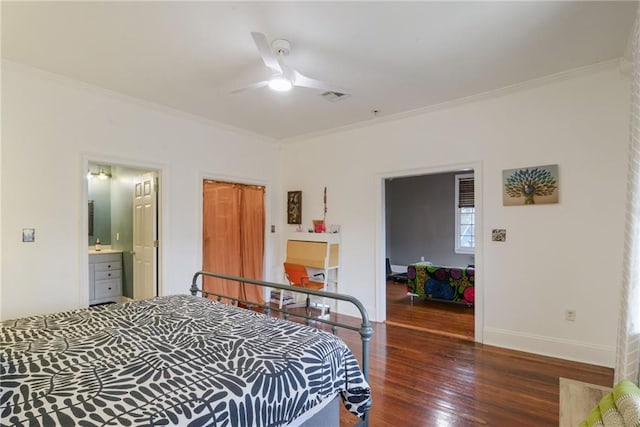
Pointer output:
x,y
420,220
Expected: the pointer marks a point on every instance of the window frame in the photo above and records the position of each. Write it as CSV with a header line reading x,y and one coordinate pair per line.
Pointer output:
x,y
457,247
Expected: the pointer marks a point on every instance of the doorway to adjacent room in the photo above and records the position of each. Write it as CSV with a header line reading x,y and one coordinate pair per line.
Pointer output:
x,y
124,217
427,226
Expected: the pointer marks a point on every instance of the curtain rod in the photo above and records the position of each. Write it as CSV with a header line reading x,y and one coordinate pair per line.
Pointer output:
x,y
260,187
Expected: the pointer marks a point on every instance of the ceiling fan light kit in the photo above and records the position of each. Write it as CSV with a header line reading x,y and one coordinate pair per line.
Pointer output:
x,y
285,77
280,84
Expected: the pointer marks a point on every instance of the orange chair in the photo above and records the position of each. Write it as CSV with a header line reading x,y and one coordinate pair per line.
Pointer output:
x,y
297,275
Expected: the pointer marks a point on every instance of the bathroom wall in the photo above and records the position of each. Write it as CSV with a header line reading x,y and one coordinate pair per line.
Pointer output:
x,y
113,214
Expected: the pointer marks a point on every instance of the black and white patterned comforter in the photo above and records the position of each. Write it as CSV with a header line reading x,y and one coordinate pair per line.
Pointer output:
x,y
177,360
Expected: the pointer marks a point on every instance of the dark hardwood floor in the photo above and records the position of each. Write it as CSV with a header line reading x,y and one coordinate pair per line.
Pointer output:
x,y
430,316
422,378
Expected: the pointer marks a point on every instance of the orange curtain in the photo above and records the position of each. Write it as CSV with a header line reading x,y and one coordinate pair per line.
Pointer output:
x,y
252,239
233,237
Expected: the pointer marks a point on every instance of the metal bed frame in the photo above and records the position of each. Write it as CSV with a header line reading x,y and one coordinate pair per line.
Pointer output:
x,y
365,330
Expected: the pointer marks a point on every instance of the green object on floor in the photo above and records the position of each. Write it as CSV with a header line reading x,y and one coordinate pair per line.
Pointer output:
x,y
620,408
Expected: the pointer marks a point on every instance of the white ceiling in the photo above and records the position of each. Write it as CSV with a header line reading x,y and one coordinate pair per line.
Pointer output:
x,y
392,56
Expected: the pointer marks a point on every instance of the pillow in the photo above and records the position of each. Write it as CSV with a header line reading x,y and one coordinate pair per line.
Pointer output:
x,y
620,408
627,398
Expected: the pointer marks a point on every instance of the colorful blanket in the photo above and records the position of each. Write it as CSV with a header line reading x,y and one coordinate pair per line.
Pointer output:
x,y
620,408
444,283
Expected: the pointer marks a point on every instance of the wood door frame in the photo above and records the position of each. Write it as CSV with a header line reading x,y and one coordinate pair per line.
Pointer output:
x,y
268,239
380,245
162,171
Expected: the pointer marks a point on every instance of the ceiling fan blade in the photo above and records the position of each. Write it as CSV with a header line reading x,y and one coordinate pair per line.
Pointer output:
x,y
304,81
268,57
251,86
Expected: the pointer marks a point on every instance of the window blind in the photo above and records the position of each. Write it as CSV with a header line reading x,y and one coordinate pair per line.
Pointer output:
x,y
465,193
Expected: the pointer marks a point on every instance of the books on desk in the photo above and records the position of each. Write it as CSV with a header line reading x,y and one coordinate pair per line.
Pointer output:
x,y
287,298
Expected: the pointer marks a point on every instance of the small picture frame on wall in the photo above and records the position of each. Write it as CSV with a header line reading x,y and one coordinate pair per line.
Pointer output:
x,y
294,207
499,235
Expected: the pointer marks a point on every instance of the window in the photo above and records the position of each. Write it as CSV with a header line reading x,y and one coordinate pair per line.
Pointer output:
x,y
465,215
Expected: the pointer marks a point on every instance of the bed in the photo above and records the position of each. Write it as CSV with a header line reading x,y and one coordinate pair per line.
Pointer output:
x,y
179,360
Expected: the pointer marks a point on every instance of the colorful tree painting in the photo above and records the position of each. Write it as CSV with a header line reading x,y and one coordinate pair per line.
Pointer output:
x,y
527,185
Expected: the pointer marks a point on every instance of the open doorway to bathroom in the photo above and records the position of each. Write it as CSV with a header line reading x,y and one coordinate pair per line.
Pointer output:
x,y
122,236
430,251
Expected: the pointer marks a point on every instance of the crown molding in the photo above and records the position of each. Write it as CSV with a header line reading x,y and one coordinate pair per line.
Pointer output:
x,y
621,64
89,87
491,94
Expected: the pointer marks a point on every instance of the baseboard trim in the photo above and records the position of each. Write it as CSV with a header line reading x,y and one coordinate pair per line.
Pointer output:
x,y
577,351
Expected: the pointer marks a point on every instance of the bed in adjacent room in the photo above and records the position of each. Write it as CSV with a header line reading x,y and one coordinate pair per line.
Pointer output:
x,y
174,360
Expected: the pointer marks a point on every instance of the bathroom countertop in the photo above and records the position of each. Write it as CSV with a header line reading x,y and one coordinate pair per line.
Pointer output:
x,y
104,250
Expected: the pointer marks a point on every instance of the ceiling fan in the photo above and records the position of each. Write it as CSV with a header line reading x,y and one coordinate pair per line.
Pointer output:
x,y
284,77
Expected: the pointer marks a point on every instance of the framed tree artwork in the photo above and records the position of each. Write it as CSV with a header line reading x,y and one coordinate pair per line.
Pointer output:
x,y
530,186
294,207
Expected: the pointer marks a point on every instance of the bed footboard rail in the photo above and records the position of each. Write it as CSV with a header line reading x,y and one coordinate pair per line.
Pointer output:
x,y
365,330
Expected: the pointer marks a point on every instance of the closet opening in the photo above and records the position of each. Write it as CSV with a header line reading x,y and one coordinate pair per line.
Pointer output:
x,y
233,236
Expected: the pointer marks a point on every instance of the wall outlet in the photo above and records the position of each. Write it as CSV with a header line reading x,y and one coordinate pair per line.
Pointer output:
x,y
570,315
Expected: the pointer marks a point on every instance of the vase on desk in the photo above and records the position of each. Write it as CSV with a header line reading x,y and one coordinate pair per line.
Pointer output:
x,y
319,226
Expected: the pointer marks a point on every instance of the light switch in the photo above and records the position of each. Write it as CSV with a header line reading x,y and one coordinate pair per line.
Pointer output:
x,y
28,234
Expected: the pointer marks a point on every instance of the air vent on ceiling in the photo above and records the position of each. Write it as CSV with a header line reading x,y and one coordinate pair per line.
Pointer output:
x,y
334,96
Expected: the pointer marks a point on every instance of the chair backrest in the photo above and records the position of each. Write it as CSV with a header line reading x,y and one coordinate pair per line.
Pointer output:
x,y
296,273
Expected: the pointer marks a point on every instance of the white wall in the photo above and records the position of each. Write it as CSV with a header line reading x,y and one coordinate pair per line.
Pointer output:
x,y
560,256
566,255
51,126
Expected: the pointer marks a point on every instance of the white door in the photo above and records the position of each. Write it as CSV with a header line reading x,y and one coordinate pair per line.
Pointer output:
x,y
144,236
